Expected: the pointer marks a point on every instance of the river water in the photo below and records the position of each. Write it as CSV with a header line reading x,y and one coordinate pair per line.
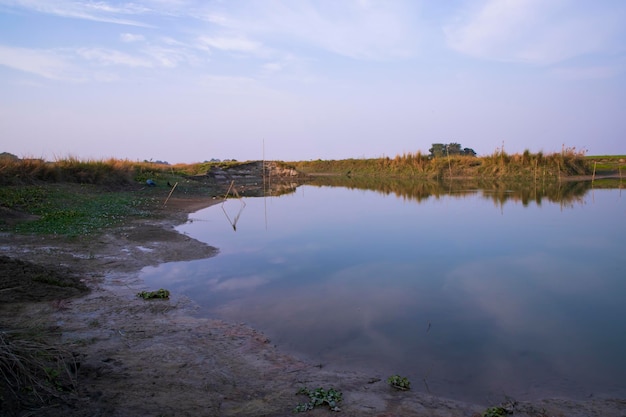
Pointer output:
x,y
471,294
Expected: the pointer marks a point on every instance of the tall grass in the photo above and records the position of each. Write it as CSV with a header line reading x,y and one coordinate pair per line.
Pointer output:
x,y
71,169
116,172
90,171
111,171
498,165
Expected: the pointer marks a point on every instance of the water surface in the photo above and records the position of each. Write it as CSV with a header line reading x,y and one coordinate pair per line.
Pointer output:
x,y
470,296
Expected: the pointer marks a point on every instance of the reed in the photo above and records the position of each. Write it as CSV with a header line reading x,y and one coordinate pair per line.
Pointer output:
x,y
498,165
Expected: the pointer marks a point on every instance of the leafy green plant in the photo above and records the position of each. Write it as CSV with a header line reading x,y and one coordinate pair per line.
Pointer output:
x,y
320,397
159,294
399,382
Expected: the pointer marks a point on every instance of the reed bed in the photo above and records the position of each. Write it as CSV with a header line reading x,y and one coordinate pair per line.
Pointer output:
x,y
498,165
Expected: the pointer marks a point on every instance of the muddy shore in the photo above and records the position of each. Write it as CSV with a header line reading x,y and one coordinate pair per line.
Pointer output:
x,y
153,358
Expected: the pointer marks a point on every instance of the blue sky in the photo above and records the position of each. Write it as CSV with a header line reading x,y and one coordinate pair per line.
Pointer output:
x,y
191,80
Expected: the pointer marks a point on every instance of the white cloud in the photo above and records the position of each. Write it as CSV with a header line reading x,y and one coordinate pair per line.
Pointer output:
x,y
168,57
232,44
112,57
537,31
369,30
99,11
131,37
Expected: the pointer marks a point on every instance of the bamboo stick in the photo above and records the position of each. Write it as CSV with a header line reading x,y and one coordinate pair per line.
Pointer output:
x,y
170,194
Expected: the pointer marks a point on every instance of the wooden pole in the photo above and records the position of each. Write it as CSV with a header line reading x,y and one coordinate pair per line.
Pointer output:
x,y
593,177
170,194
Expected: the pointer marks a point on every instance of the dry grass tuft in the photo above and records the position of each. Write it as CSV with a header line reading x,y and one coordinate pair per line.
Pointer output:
x,y
32,372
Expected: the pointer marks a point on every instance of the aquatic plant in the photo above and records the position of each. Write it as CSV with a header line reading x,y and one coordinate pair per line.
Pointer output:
x,y
158,294
320,397
399,382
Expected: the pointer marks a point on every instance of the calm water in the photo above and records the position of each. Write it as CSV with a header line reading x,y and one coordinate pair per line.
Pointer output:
x,y
468,295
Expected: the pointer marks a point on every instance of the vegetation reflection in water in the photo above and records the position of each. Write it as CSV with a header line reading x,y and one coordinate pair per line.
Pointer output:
x,y
565,192
475,290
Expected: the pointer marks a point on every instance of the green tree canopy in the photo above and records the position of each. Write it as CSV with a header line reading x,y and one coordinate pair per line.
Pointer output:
x,y
440,149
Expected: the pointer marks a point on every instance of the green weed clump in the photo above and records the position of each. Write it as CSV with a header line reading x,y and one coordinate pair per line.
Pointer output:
x,y
399,382
495,412
158,294
320,397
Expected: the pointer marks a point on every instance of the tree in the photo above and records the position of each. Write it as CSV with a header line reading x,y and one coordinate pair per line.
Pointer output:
x,y
439,149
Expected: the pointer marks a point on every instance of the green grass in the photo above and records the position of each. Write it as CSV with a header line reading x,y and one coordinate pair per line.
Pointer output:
x,y
71,210
75,197
608,163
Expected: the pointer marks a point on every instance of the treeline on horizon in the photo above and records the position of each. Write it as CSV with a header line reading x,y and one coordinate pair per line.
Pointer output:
x,y
498,165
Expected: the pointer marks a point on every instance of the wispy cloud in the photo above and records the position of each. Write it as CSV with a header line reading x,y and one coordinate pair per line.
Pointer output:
x,y
229,43
169,56
112,57
49,64
131,37
84,64
370,30
536,31
100,11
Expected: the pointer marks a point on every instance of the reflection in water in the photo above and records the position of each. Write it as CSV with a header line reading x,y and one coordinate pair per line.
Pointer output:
x,y
474,300
500,192
233,222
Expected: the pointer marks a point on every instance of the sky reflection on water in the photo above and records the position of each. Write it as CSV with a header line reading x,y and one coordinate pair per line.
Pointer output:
x,y
467,297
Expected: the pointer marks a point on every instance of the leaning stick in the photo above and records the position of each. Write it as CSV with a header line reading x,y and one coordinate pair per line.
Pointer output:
x,y
170,194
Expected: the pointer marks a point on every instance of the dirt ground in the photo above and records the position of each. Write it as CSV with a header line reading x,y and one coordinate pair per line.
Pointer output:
x,y
153,358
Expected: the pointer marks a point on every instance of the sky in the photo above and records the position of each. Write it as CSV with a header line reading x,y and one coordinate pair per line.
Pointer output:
x,y
186,81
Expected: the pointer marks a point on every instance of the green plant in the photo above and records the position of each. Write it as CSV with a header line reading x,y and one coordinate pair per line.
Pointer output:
x,y
160,293
399,382
496,412
320,397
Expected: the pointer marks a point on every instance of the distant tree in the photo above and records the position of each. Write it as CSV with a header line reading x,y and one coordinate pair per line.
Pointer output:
x,y
454,149
156,162
440,149
437,150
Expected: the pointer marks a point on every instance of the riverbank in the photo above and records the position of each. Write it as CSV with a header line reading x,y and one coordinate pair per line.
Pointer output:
x,y
148,358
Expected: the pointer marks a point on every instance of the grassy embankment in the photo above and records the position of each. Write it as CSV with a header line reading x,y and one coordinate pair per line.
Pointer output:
x,y
499,165
80,197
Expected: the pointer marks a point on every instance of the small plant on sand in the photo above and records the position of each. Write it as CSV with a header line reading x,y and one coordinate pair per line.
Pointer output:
x,y
496,412
321,397
159,294
505,408
399,382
